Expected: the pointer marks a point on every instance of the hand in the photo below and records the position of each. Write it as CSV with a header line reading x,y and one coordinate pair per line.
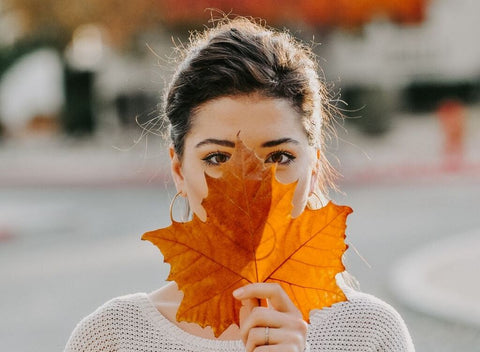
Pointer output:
x,y
278,327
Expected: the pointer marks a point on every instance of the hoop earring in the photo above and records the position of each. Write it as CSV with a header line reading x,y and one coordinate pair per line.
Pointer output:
x,y
319,200
187,207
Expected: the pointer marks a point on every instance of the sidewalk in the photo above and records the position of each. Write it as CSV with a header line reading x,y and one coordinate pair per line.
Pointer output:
x,y
94,162
441,279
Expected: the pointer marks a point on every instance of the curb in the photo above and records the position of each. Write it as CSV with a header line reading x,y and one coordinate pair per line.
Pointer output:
x,y
441,279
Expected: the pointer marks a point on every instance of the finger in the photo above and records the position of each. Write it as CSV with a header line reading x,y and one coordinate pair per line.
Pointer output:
x,y
272,340
274,293
262,336
247,306
249,303
261,317
278,348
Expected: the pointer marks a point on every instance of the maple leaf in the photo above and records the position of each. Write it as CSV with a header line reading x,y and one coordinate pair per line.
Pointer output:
x,y
249,236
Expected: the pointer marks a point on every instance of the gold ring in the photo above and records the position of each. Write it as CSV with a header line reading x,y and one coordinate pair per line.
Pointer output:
x,y
267,336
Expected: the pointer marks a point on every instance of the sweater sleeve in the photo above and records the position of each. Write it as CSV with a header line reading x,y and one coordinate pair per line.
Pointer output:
x,y
397,336
96,332
364,323
386,327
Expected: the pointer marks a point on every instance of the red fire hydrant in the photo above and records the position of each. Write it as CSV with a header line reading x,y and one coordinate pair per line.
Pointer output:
x,y
451,114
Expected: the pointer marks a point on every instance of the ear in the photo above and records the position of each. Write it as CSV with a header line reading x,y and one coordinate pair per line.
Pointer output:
x,y
176,169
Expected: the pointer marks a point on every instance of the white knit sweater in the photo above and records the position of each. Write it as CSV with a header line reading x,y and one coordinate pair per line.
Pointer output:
x,y
132,323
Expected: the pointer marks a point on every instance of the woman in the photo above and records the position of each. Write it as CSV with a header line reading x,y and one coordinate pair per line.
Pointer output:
x,y
241,78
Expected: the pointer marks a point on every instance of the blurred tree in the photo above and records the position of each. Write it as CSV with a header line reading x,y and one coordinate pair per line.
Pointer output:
x,y
59,19
124,19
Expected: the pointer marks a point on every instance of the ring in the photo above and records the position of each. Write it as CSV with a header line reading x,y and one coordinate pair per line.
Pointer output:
x,y
267,336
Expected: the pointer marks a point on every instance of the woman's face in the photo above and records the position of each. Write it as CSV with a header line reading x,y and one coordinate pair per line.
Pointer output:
x,y
268,126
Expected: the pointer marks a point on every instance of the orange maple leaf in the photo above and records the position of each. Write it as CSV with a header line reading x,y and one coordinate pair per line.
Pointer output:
x,y
249,236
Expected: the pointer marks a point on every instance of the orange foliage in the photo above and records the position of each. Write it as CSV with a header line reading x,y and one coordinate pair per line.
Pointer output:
x,y
123,20
249,236
323,13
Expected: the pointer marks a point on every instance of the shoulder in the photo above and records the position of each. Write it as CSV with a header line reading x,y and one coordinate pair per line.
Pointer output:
x,y
106,326
363,321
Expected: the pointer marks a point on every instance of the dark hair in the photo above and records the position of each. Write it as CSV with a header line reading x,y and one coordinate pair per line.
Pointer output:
x,y
240,56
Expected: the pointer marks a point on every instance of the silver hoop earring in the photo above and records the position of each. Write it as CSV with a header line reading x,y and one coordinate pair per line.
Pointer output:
x,y
186,215
313,205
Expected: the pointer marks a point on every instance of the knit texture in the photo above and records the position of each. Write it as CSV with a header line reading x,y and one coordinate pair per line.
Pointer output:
x,y
132,323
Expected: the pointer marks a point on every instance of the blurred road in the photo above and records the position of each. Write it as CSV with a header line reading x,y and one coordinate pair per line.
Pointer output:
x,y
71,221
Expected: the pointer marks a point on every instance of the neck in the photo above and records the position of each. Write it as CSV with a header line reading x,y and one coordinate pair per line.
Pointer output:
x,y
167,300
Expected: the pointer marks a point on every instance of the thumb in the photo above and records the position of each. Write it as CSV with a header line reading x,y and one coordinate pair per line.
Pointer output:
x,y
247,306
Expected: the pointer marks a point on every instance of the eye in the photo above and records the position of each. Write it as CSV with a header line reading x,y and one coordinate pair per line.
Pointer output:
x,y
216,158
280,157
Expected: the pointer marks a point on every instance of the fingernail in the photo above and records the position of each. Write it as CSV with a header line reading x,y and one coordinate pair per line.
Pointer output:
x,y
238,292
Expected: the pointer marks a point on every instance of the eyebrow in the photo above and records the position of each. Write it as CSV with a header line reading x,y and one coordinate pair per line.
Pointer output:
x,y
276,142
222,142
230,144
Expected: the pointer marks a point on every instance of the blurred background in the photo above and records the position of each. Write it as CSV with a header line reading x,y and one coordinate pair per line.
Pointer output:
x,y
84,170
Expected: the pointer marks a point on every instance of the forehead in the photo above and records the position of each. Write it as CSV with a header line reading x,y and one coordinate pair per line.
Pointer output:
x,y
253,116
